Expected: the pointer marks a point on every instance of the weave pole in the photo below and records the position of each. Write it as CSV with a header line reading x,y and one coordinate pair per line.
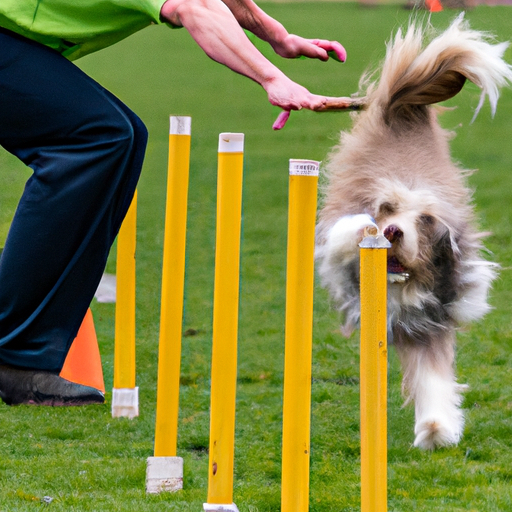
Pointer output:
x,y
373,371
225,323
125,395
303,183
165,469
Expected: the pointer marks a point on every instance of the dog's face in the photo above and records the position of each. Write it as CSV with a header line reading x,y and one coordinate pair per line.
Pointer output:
x,y
422,245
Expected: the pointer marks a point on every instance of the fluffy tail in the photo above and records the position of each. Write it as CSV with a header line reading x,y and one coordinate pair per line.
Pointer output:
x,y
413,77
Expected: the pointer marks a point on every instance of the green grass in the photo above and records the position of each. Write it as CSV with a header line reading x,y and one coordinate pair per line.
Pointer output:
x,y
87,461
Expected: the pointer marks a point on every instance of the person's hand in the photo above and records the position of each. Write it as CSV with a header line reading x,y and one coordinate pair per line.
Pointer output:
x,y
287,94
293,46
283,92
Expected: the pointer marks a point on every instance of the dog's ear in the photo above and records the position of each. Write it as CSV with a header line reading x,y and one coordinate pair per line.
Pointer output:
x,y
444,263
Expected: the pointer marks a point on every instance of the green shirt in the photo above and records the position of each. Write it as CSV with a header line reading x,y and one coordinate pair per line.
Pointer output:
x,y
78,27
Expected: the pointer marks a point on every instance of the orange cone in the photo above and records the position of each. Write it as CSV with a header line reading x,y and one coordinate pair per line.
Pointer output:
x,y
434,5
83,362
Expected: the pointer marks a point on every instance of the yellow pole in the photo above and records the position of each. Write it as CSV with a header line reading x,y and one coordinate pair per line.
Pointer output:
x,y
373,374
173,279
225,320
124,345
303,183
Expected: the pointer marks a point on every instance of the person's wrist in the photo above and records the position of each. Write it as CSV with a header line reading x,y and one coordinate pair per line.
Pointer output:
x,y
273,79
269,29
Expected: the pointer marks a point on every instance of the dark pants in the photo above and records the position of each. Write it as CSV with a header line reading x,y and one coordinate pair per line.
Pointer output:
x,y
86,150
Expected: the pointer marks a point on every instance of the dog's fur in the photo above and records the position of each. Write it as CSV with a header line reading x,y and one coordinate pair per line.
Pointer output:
x,y
394,170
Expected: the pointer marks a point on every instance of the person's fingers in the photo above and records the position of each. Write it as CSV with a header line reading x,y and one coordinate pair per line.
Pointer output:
x,y
333,49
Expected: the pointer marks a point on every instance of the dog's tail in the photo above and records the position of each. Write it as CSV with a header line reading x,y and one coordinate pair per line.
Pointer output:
x,y
413,77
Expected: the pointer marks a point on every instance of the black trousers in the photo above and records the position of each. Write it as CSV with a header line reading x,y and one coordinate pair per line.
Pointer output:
x,y
86,150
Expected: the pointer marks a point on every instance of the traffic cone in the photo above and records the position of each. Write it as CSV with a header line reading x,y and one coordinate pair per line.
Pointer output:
x,y
434,5
83,362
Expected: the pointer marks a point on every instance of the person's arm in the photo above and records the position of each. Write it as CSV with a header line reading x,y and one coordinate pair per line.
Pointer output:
x,y
257,21
216,30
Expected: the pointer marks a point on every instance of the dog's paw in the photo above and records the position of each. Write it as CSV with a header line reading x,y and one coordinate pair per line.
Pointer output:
x,y
344,237
435,433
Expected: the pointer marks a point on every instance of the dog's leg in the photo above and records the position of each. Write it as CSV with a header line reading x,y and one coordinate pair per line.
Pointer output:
x,y
429,381
338,265
343,238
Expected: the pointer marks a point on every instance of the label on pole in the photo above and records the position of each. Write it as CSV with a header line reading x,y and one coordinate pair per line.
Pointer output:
x,y
180,125
231,143
304,167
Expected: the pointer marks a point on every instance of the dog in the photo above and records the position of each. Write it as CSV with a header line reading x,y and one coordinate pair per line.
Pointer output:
x,y
393,172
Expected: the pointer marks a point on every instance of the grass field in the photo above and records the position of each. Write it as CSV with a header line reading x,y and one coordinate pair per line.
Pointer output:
x,y
86,461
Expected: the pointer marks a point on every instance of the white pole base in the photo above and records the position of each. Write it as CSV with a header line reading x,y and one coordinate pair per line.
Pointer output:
x,y
125,402
214,507
164,474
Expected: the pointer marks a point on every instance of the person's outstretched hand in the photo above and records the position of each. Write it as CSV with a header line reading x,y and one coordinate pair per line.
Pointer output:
x,y
293,46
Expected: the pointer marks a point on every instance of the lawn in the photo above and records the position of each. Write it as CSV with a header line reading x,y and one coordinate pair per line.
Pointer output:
x,y
84,460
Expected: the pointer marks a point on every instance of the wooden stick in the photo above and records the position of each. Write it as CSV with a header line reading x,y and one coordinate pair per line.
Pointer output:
x,y
343,103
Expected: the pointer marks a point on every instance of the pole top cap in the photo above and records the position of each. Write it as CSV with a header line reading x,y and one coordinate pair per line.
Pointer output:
x,y
180,125
231,143
304,167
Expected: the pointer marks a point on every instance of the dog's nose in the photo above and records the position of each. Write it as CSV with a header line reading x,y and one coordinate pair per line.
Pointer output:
x,y
393,233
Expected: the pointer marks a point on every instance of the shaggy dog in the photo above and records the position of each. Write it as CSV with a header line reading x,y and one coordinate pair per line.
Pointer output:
x,y
394,171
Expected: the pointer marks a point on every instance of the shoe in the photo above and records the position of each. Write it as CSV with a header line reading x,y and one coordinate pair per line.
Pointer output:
x,y
36,387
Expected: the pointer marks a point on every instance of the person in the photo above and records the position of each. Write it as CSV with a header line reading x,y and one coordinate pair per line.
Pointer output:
x,y
86,149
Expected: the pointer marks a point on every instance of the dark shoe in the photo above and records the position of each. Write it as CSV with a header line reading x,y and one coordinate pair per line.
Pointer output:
x,y
35,387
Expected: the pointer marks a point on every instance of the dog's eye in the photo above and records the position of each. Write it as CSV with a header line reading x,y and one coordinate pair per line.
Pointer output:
x,y
386,209
426,220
